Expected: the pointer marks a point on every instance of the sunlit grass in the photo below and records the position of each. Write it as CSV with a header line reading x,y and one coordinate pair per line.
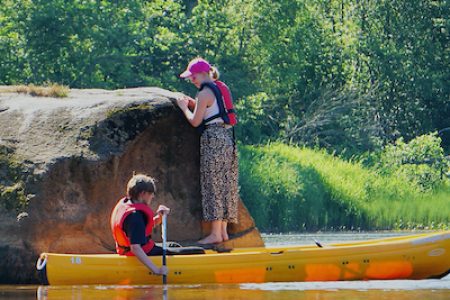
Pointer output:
x,y
312,189
50,90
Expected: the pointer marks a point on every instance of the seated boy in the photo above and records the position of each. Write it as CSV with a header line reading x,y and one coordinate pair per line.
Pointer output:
x,y
132,222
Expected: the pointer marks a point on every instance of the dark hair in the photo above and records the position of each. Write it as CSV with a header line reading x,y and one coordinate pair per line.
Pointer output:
x,y
140,183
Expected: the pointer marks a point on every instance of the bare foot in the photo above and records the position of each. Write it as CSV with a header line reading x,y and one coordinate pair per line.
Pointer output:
x,y
225,236
211,239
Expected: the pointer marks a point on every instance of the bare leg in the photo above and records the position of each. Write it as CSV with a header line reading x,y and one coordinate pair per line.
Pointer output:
x,y
216,234
224,231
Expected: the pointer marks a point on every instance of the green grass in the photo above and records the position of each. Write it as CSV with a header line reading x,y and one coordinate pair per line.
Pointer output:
x,y
287,188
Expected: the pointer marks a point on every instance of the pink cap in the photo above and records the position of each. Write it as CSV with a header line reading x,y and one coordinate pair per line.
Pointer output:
x,y
197,65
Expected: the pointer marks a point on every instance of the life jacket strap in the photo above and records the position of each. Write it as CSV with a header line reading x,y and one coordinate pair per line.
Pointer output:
x,y
212,118
124,248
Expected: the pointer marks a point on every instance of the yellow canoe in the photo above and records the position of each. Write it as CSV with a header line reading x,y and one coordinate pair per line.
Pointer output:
x,y
407,257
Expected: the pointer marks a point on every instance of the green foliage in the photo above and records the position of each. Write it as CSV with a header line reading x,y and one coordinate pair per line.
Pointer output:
x,y
254,125
403,46
345,75
12,44
421,161
289,188
341,120
342,75
95,43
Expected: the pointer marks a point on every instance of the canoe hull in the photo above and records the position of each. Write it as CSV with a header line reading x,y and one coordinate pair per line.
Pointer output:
x,y
415,257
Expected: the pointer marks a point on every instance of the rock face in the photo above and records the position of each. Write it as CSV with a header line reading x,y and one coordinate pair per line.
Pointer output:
x,y
65,162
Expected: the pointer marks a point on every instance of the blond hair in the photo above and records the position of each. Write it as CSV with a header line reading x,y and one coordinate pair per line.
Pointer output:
x,y
140,183
214,73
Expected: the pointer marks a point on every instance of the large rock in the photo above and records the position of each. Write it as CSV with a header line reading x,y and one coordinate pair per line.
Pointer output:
x,y
64,163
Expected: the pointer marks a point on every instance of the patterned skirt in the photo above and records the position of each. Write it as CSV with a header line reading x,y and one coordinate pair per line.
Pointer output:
x,y
219,174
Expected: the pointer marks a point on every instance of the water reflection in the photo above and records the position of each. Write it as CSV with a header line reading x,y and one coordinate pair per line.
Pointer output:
x,y
99,292
376,290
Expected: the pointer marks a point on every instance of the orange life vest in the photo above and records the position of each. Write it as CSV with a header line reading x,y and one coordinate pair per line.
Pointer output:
x,y
124,208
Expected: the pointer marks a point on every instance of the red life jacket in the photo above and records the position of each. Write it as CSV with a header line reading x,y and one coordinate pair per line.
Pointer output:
x,y
228,101
124,208
226,109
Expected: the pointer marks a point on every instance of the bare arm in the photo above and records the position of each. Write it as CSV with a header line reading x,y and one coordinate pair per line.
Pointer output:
x,y
205,98
143,258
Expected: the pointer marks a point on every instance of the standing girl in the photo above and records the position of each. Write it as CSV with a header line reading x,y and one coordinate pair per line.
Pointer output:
x,y
218,154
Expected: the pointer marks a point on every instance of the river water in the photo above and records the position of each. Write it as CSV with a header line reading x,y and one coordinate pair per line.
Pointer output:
x,y
377,290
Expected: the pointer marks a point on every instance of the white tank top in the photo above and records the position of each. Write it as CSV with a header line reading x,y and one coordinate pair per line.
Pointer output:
x,y
212,111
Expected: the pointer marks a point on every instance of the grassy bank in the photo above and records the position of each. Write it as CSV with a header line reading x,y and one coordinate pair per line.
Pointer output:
x,y
288,188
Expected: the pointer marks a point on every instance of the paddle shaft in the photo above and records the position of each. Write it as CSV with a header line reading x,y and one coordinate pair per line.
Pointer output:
x,y
164,239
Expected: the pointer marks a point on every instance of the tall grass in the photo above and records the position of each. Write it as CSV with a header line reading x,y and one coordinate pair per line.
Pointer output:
x,y
49,90
287,188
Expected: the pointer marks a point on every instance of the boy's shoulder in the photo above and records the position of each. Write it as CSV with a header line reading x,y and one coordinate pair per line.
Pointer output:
x,y
134,217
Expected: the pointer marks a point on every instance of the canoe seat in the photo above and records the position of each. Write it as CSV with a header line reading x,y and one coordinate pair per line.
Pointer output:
x,y
186,250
